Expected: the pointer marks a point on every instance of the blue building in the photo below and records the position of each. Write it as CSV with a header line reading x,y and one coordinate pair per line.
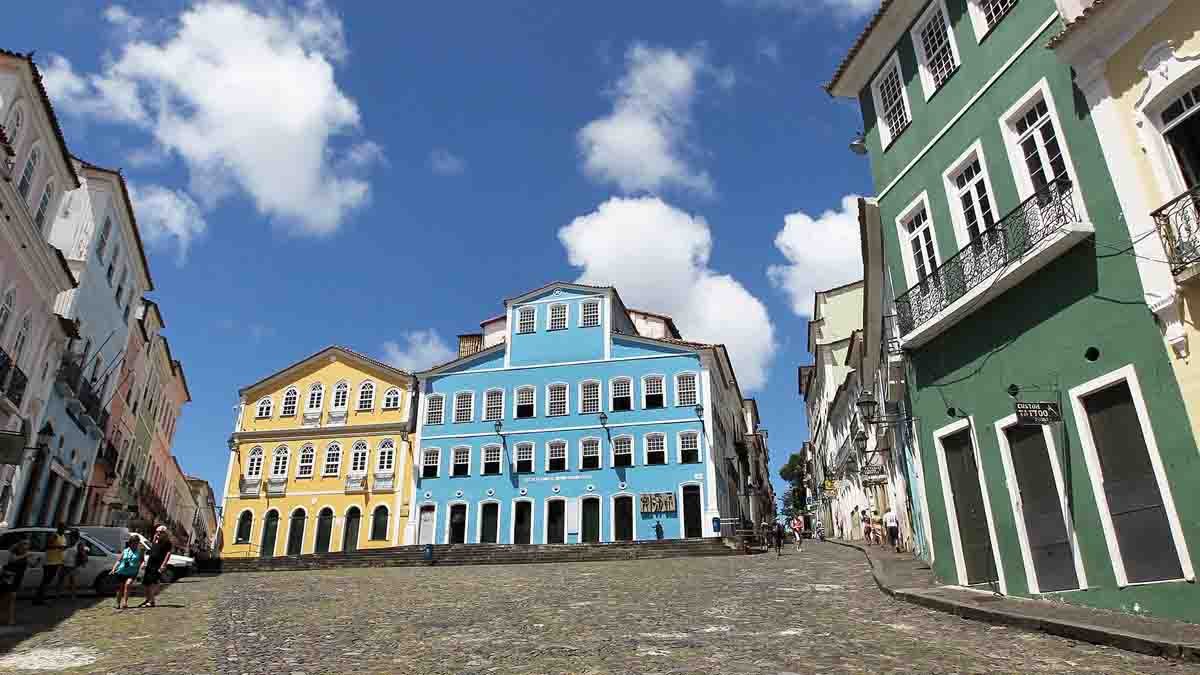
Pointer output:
x,y
572,418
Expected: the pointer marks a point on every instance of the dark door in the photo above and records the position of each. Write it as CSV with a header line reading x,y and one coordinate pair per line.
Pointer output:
x,y
1134,502
1184,140
489,522
350,532
270,527
523,522
691,512
324,531
623,518
458,524
1041,509
296,532
591,521
556,522
968,505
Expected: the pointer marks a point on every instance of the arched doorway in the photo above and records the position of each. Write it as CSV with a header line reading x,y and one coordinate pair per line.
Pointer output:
x,y
522,522
623,518
350,532
458,524
379,523
692,518
296,532
489,523
270,528
324,530
426,525
590,525
556,521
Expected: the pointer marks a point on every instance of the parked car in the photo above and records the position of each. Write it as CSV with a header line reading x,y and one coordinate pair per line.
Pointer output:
x,y
95,575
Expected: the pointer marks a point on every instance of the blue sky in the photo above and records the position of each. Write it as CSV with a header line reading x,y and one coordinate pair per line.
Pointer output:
x,y
381,175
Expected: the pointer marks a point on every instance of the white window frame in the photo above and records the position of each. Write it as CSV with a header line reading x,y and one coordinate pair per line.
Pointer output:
x,y
566,453
532,309
325,460
957,218
1076,395
363,387
532,456
599,452
355,450
566,322
960,564
387,395
517,400
441,408
679,447
695,378
612,451
454,460
928,85
295,403
979,19
910,265
264,403
311,465
566,389
646,448
612,389
486,416
317,386
437,453
333,401
483,459
583,313
254,470
886,135
599,397
661,378
470,413
387,448
1014,494
287,460
1012,146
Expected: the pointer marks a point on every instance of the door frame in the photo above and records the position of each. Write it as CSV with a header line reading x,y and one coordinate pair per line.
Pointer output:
x,y
333,524
303,534
1014,495
449,512
599,515
512,520
479,519
612,522
682,513
546,518
420,507
1128,374
960,561
345,522
263,531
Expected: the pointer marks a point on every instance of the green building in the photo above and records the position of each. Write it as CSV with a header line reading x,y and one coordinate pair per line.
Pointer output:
x,y
1014,281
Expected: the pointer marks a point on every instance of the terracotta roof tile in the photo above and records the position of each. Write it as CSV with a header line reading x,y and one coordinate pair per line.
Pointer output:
x,y
1071,26
858,45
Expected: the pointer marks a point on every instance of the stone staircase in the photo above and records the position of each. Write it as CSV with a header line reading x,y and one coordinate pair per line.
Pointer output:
x,y
485,554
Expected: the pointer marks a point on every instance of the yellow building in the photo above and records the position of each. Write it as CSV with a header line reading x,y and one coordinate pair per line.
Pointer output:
x,y
1138,65
320,458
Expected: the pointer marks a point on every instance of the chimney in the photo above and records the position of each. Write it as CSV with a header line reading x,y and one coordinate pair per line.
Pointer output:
x,y
469,344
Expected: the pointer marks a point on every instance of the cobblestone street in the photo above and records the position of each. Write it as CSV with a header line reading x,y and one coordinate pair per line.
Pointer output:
x,y
816,611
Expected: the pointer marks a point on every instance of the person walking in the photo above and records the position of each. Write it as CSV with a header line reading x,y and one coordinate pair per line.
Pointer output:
x,y
126,569
798,532
855,524
56,547
160,553
778,533
74,563
11,576
892,523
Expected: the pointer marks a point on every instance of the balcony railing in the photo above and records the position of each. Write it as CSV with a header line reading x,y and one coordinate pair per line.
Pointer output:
x,y
1023,228
276,487
384,482
249,488
1178,223
17,382
108,455
356,484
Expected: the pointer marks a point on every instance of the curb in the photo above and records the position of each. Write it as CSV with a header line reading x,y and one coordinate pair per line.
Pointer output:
x,y
1084,632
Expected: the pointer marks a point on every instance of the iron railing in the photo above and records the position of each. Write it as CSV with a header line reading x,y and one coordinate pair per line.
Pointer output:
x,y
1021,229
6,366
1178,223
17,382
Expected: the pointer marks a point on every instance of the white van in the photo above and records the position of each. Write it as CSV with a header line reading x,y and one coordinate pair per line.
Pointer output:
x,y
95,575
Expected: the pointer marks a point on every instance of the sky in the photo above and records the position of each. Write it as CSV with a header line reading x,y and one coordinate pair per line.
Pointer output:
x,y
382,175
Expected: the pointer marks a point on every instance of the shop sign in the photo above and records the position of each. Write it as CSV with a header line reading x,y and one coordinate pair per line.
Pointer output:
x,y
874,480
872,470
1037,412
658,502
828,485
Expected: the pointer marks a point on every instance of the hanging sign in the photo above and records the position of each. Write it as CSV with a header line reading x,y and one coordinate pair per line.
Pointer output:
x,y
872,470
829,486
1037,412
658,502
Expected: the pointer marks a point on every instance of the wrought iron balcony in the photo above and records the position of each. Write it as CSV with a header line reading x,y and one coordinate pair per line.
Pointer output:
x,y
17,382
249,487
384,482
90,400
107,455
70,374
336,418
356,484
1178,223
6,365
311,419
276,487
1008,241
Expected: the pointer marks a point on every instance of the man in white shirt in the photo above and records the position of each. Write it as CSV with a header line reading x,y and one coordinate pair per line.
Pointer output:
x,y
893,529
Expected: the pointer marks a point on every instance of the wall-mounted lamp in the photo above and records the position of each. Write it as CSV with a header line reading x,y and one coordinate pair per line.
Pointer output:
x,y
859,145
699,411
860,440
499,425
604,423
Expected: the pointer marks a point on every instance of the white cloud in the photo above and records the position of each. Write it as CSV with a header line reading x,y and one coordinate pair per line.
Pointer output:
x,y
422,349
822,253
247,98
120,18
842,9
769,50
445,163
641,145
167,217
657,257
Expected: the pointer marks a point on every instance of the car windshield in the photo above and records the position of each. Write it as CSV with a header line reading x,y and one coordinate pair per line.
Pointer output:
x,y
111,538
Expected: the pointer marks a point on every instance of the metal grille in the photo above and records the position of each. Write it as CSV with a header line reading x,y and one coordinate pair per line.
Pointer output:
x,y
687,390
935,40
558,317
434,414
493,405
463,403
527,316
590,398
1178,223
558,400
591,314
994,10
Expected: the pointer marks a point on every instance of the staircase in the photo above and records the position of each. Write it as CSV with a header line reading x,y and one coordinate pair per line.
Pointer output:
x,y
485,554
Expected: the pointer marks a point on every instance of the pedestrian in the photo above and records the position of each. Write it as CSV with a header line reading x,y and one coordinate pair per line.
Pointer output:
x,y
56,548
11,576
160,553
778,532
798,531
892,523
126,569
855,524
74,563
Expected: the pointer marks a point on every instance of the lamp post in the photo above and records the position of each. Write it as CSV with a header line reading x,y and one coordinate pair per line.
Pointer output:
x,y
604,424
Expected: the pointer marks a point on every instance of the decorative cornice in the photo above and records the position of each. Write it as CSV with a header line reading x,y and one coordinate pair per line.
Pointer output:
x,y
305,433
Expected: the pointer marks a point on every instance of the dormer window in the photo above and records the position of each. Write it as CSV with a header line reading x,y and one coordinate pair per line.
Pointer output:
x,y
652,389
341,393
316,396
590,314
558,317
289,402
525,403
434,410
264,407
391,399
366,396
622,394
526,319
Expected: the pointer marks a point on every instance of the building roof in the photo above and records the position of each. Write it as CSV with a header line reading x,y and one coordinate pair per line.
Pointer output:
x,y
669,321
857,46
433,370
1073,26
41,87
345,350
137,233
570,284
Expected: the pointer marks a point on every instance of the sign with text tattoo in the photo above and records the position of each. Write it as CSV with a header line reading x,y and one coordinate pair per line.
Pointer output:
x,y
658,502
1037,412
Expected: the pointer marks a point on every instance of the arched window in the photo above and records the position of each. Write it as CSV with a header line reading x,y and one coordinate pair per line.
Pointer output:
x,y
27,175
525,402
464,406
358,458
279,465
589,455
39,217
622,451
685,389
245,522
524,457
652,392
493,404
391,399
379,523
13,130
341,393
689,447
254,463
333,460
289,402
307,458
6,310
491,459
387,456
316,396
556,456
556,400
22,338
430,460
621,390
656,449
264,407
366,396
435,409
589,397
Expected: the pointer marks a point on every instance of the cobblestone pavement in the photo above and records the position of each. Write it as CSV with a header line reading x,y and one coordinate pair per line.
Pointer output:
x,y
812,612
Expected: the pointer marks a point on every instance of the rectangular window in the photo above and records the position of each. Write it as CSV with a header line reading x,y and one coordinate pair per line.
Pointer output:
x,y
525,402
491,460
656,449
558,317
623,451
622,393
558,456
464,404
1039,146
493,405
994,10
102,240
689,448
654,392
891,104
305,470
591,454
919,231
968,189
429,464
589,398
525,458
526,319
685,389
591,314
434,412
462,462
936,52
557,400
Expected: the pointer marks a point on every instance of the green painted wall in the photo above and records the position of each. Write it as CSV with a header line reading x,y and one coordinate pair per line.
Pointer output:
x,y
1036,333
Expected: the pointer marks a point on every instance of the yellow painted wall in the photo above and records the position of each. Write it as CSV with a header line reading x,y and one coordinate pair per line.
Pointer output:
x,y
1187,370
329,374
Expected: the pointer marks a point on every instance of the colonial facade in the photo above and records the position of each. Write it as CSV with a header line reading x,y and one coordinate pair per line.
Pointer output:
x,y
319,458
1003,235
573,419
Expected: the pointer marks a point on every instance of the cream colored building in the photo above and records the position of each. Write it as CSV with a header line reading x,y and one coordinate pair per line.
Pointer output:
x,y
1138,65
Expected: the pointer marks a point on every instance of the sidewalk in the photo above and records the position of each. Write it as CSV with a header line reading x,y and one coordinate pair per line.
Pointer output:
x,y
906,578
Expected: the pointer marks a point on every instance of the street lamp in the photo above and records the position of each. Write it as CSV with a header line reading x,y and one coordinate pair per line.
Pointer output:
x,y
860,440
867,406
604,424
498,426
